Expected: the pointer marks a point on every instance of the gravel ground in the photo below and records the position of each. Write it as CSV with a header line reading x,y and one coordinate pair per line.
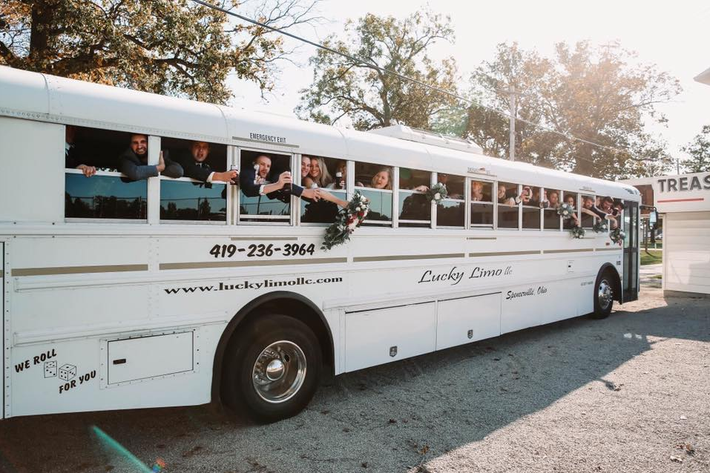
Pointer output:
x,y
630,393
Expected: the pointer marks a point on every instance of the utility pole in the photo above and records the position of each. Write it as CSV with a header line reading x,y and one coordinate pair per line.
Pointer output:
x,y
512,122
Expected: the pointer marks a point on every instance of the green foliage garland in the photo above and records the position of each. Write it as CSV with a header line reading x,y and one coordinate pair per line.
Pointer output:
x,y
565,211
617,235
601,226
577,232
437,192
346,222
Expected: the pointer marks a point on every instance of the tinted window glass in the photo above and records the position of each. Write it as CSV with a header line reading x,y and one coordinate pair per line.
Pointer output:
x,y
482,213
104,197
450,213
180,200
380,205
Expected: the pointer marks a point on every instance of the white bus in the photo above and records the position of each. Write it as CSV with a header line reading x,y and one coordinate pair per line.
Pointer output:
x,y
121,294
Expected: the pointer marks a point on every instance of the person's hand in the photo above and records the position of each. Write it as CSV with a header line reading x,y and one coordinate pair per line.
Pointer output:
x,y
161,163
87,170
227,176
313,194
284,178
421,188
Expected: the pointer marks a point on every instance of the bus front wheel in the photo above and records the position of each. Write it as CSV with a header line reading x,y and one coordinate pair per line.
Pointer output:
x,y
273,369
603,295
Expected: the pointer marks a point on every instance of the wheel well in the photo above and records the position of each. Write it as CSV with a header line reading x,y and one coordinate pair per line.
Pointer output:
x,y
615,279
284,303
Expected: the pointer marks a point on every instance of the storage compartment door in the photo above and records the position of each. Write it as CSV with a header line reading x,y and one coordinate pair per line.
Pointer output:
x,y
379,336
150,357
467,319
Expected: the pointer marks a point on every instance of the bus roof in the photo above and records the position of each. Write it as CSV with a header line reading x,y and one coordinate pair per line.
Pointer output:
x,y
43,97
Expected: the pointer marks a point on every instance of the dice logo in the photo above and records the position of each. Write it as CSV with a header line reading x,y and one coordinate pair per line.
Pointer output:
x,y
67,372
50,369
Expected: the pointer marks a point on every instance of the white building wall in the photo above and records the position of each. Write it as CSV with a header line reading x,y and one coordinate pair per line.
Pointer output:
x,y
686,256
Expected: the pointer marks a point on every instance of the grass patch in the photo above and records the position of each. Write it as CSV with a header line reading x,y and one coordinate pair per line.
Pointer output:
x,y
655,257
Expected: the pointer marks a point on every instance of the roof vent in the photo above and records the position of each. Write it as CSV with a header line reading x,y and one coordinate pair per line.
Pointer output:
x,y
404,132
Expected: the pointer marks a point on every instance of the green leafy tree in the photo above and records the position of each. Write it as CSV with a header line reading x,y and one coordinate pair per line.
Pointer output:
x,y
172,47
699,151
596,94
360,90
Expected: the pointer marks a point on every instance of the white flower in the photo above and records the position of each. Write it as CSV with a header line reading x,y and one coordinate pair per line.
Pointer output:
x,y
565,212
437,196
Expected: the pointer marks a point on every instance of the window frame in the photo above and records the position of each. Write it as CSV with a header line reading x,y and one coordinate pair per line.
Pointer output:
x,y
271,220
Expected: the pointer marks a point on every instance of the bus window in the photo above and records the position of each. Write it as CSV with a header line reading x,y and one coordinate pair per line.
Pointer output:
x,y
375,183
589,217
551,203
451,212
257,169
104,197
414,207
507,207
202,194
94,188
570,198
481,203
91,147
531,202
328,173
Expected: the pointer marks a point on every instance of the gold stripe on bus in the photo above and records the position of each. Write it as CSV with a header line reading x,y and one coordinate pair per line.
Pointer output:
x,y
505,253
608,249
364,259
2,274
119,268
241,264
264,238
482,238
583,250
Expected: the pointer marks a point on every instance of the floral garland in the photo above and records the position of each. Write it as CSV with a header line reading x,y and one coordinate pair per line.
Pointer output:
x,y
437,192
601,226
565,211
577,232
617,235
347,220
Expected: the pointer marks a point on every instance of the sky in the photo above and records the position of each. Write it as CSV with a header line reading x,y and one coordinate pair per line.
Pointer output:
x,y
673,35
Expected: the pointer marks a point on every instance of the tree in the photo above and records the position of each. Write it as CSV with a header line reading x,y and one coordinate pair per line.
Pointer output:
x,y
595,94
699,151
164,46
360,90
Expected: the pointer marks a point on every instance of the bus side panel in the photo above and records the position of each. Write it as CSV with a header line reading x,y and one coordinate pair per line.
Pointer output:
x,y
3,292
75,375
379,336
31,158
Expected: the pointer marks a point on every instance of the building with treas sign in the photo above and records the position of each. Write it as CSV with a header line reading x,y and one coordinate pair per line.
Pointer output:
x,y
683,202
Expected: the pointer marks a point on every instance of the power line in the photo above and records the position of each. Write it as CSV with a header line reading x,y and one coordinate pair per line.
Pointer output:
x,y
370,65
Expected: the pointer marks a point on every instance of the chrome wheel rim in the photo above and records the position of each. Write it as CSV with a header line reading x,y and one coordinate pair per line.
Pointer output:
x,y
279,371
605,294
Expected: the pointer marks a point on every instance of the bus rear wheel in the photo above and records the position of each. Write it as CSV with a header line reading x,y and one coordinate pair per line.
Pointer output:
x,y
273,369
603,295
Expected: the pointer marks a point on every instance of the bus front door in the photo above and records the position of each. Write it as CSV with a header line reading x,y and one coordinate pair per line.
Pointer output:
x,y
631,251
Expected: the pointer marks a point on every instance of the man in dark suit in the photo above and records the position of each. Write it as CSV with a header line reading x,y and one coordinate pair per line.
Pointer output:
x,y
74,155
134,162
261,180
194,165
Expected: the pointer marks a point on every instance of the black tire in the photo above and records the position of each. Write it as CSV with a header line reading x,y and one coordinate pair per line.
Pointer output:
x,y
603,295
272,369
